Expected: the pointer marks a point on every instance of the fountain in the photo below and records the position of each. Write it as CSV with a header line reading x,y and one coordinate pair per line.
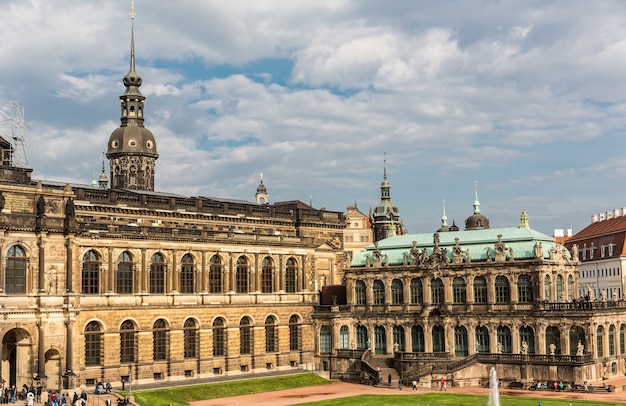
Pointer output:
x,y
494,390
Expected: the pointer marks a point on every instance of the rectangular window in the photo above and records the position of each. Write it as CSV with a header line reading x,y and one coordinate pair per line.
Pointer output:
x,y
160,345
215,279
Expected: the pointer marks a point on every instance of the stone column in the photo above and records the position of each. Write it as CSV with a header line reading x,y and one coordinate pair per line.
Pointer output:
x,y
111,272
41,361
142,280
69,346
41,264
69,261
175,274
254,283
408,337
204,280
427,293
231,273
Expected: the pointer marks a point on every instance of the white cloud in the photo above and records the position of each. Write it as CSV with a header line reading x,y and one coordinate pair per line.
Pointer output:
x,y
526,96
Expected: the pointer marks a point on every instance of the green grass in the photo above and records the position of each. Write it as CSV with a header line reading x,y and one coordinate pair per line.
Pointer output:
x,y
440,399
181,396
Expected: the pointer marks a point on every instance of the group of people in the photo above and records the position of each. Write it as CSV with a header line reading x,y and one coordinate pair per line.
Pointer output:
x,y
555,386
102,389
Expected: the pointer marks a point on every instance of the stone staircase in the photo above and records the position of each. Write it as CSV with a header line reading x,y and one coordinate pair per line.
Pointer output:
x,y
384,365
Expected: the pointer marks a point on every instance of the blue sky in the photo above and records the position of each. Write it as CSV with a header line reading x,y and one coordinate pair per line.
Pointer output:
x,y
527,97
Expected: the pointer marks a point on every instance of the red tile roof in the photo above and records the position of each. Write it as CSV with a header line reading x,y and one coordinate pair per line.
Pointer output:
x,y
611,231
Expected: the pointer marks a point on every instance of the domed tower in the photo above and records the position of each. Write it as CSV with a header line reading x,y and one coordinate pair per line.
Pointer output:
x,y
476,221
132,149
261,193
385,218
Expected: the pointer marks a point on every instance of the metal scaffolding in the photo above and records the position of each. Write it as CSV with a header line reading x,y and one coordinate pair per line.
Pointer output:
x,y
13,130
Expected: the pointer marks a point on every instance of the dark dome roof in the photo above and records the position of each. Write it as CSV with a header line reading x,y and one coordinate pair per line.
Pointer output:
x,y
132,139
477,222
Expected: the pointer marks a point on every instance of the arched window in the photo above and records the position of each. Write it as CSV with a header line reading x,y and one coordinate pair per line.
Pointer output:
x,y
527,334
215,274
361,337
398,338
436,291
90,278
439,339
157,273
480,290
294,333
600,341
15,275
570,287
380,340
159,340
559,288
271,338
417,291
93,344
504,339
576,335
219,337
325,340
553,337
187,274
524,289
241,277
611,340
124,274
360,297
417,338
127,342
503,290
482,339
267,275
378,292
546,288
344,338
190,331
459,291
290,276
397,292
245,335
460,342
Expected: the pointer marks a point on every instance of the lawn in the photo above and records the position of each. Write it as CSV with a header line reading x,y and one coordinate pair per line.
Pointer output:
x,y
181,396
441,399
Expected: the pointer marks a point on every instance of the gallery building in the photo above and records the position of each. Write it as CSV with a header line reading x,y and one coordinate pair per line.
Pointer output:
x,y
118,282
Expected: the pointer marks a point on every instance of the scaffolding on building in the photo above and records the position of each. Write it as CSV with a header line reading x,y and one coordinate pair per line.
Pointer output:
x,y
13,131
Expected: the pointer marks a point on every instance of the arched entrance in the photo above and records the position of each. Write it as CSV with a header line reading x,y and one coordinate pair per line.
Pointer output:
x,y
53,370
17,352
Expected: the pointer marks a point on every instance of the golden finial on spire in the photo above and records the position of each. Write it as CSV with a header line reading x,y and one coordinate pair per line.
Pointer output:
x,y
132,9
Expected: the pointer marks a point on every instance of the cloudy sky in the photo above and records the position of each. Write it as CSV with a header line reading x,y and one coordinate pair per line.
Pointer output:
x,y
526,97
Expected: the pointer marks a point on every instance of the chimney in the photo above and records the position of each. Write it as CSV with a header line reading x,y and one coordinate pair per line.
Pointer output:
x,y
569,232
594,218
616,213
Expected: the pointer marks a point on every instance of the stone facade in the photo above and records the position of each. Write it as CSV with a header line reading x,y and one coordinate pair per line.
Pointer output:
x,y
458,303
116,285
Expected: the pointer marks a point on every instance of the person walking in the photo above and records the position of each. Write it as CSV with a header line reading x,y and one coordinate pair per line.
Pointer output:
x,y
414,383
400,383
389,380
443,384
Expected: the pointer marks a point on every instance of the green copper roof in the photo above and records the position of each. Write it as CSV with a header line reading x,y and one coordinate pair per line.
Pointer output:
x,y
521,240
